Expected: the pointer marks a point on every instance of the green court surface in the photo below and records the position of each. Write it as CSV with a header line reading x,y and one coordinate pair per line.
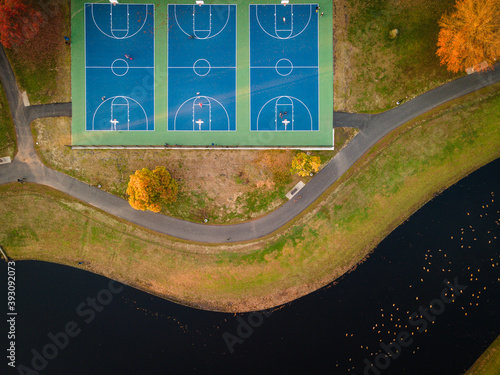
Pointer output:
x,y
241,133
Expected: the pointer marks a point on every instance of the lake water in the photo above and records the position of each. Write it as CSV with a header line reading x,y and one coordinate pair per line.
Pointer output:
x,y
340,329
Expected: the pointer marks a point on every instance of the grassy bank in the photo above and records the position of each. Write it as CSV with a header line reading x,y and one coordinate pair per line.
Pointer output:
x,y
489,362
8,145
373,71
42,65
400,174
226,186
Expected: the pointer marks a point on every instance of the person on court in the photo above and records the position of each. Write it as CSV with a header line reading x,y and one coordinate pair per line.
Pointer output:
x,y
128,57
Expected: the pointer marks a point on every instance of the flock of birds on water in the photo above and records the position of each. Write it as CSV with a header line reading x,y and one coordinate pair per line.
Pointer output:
x,y
393,319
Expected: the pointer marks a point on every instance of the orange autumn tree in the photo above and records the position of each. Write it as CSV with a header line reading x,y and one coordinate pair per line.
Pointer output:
x,y
18,22
148,190
470,34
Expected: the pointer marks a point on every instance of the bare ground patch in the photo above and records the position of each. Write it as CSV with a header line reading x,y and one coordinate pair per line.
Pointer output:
x,y
221,185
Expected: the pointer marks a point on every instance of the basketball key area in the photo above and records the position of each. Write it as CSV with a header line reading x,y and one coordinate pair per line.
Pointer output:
x,y
219,82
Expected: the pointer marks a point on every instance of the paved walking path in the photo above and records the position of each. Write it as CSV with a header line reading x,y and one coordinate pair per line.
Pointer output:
x,y
27,165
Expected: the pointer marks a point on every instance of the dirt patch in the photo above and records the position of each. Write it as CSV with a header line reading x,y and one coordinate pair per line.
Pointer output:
x,y
224,186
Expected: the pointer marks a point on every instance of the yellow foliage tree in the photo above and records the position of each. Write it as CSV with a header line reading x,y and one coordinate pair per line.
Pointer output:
x,y
148,189
470,34
304,164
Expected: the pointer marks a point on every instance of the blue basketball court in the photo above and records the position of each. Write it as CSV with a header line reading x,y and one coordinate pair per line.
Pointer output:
x,y
202,68
284,68
231,74
119,67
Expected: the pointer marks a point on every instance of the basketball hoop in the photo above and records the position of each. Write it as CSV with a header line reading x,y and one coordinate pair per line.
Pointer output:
x,y
285,2
199,2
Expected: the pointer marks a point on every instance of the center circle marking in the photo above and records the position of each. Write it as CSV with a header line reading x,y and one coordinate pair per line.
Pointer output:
x,y
201,67
284,67
121,65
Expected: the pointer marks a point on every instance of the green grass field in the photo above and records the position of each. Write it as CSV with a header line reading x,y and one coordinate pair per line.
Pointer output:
x,y
8,145
373,71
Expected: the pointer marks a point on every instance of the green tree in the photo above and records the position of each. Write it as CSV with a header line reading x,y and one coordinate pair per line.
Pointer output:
x,y
148,190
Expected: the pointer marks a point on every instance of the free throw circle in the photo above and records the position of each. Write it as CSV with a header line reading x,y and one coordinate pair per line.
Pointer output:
x,y
284,67
201,67
119,67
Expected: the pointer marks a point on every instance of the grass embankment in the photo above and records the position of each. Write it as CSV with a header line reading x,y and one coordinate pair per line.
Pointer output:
x,y
489,362
8,145
42,65
226,186
372,71
401,173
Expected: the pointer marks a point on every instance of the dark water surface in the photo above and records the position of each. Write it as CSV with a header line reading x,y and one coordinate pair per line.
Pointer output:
x,y
336,330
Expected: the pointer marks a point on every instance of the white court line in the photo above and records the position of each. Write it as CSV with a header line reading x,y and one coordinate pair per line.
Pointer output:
x,y
209,113
211,67
207,98
294,67
291,99
194,22
128,112
111,22
120,67
209,36
276,30
113,36
275,36
123,97
276,112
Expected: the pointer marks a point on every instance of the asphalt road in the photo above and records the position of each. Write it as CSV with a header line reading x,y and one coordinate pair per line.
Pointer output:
x,y
26,164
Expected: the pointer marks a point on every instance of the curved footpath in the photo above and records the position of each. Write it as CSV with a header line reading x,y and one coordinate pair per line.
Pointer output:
x,y
372,128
